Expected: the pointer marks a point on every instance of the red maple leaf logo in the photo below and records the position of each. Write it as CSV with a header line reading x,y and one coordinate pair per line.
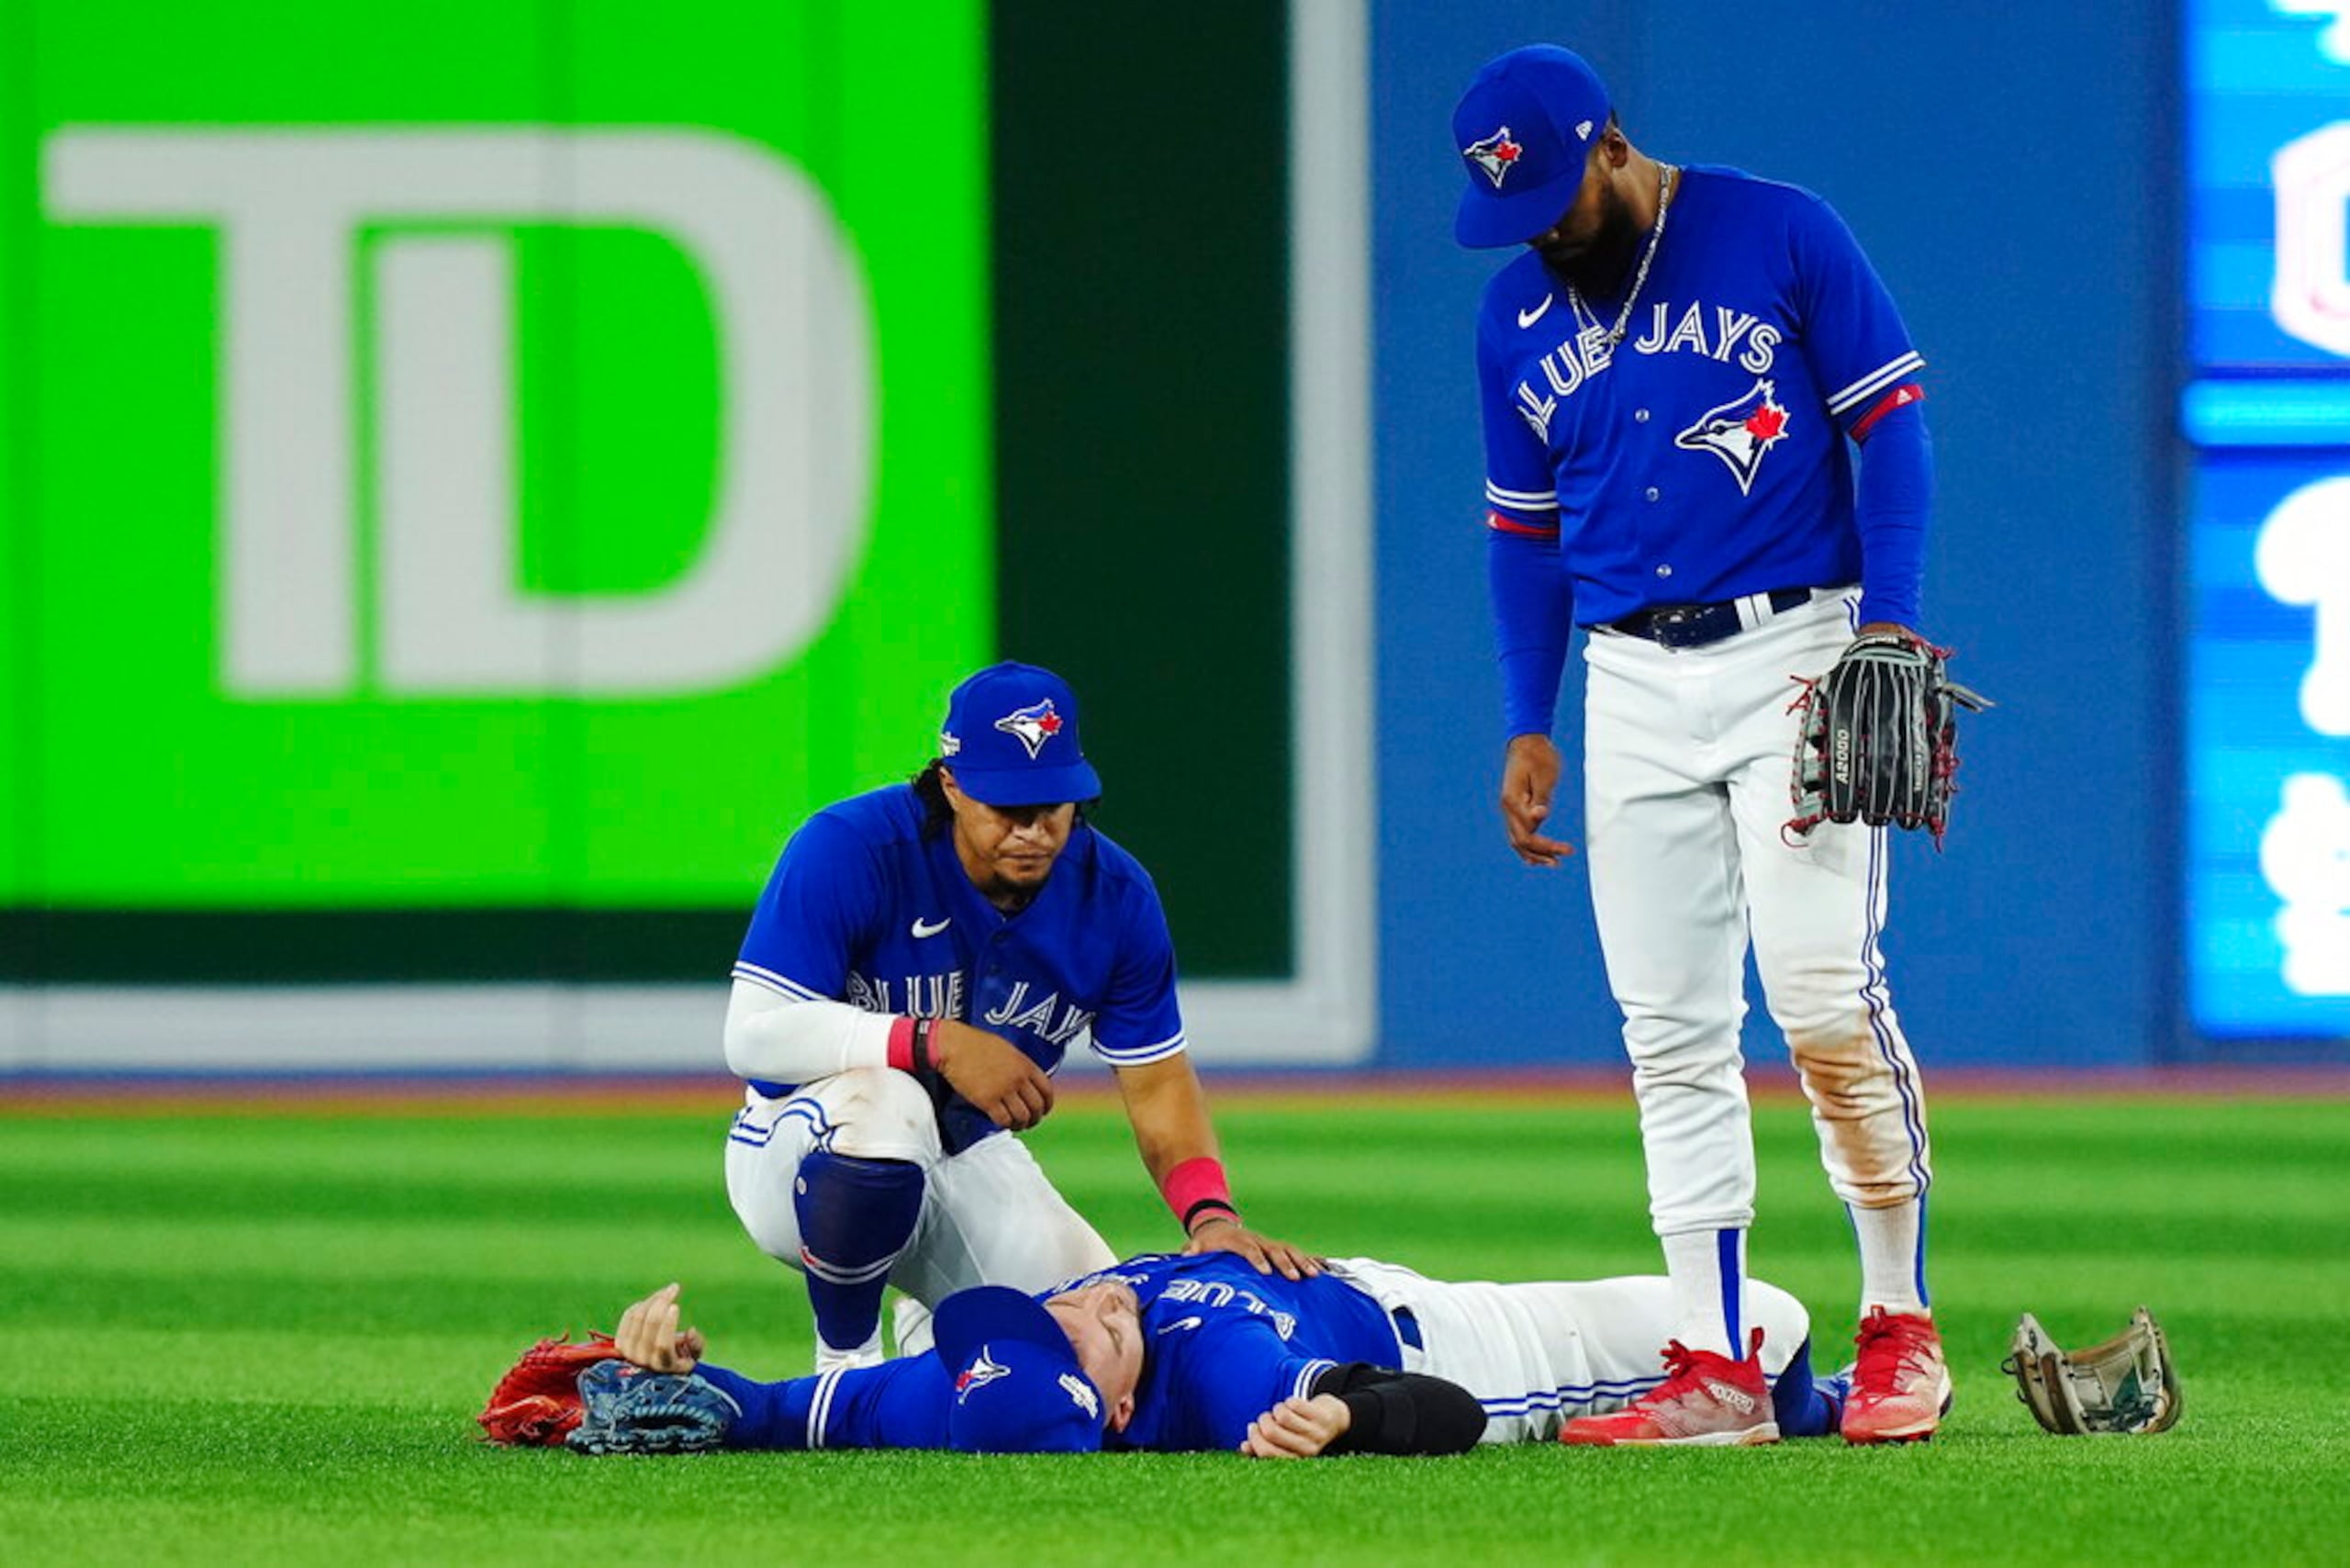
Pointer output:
x,y
1050,723
1507,153
1766,423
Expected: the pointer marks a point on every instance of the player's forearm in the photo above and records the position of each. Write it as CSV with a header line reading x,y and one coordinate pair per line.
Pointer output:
x,y
1168,1112
1401,1413
1893,501
1173,1134
1533,619
789,1040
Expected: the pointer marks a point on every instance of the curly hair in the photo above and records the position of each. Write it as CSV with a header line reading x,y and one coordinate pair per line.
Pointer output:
x,y
937,813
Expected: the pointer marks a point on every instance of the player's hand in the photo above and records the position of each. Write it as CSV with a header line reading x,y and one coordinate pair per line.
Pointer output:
x,y
1269,1256
1529,777
648,1335
992,1073
1298,1428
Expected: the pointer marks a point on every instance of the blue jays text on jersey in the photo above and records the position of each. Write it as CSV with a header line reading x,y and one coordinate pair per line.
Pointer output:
x,y
865,908
1703,455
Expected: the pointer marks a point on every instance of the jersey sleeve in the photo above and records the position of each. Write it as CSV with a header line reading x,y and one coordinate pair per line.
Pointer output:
x,y
1851,333
1521,492
1532,602
1140,1021
1254,1369
824,898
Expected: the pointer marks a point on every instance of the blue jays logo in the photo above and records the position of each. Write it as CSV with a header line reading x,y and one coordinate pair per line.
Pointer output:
x,y
1497,155
1739,434
1034,725
978,1374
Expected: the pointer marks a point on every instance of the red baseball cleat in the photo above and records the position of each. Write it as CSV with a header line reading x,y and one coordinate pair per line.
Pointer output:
x,y
1900,1385
1705,1400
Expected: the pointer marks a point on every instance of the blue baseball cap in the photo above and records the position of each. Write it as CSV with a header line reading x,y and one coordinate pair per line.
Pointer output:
x,y
1011,737
1526,129
1018,1387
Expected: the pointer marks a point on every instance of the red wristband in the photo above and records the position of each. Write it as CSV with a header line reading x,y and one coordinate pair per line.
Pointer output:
x,y
901,1044
1196,1184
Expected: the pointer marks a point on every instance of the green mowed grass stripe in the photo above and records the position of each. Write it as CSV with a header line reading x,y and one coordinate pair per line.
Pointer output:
x,y
265,1338
384,1485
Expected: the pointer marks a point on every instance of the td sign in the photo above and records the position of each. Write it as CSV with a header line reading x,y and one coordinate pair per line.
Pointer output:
x,y
495,492
289,206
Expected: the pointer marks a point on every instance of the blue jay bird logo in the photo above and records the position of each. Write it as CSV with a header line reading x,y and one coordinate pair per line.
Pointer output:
x,y
978,1374
1496,155
1739,432
1034,725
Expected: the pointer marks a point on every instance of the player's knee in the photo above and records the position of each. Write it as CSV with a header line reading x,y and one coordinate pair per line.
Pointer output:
x,y
877,1113
1668,1048
1840,1062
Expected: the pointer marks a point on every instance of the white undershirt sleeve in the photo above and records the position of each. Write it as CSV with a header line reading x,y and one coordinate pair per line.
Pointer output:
x,y
771,1036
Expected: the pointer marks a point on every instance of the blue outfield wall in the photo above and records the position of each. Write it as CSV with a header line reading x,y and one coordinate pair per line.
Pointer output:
x,y
2012,171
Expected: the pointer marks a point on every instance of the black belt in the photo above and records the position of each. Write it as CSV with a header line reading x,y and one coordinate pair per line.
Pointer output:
x,y
1695,625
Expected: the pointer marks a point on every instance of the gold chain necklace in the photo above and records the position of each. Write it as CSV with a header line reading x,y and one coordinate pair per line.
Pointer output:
x,y
1665,172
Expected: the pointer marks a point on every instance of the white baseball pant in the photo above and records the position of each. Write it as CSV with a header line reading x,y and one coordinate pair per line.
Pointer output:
x,y
988,1215
1538,1356
1687,759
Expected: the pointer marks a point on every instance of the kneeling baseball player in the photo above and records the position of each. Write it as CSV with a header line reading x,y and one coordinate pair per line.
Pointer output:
x,y
1179,1353
916,968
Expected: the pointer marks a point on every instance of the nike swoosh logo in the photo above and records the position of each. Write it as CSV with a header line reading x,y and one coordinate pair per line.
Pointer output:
x,y
1180,1323
932,928
1528,317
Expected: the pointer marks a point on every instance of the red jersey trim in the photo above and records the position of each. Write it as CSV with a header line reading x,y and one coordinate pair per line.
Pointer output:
x,y
1901,396
1502,523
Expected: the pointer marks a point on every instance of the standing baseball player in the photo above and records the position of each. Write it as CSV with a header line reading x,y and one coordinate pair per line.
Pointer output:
x,y
1676,375
914,973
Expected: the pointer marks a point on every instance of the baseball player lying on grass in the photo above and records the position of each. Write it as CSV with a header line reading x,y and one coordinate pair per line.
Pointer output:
x,y
914,973
1177,1353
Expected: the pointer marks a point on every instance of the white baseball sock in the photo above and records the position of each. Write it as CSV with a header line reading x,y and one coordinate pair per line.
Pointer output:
x,y
1708,1270
1893,1256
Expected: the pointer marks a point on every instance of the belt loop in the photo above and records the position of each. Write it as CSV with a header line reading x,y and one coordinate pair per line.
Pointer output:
x,y
1753,609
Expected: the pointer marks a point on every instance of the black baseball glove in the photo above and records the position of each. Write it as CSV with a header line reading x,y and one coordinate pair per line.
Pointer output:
x,y
1877,737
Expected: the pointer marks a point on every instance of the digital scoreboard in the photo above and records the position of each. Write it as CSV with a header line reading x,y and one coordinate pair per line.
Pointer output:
x,y
2266,415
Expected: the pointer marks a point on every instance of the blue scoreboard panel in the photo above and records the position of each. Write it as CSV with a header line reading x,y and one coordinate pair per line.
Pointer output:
x,y
2266,413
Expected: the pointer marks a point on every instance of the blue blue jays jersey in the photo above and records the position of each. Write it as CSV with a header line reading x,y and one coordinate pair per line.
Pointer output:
x,y
1224,1344
1704,457
864,909
900,1404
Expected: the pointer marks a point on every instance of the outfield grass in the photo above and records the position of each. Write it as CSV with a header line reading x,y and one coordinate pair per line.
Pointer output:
x,y
264,1339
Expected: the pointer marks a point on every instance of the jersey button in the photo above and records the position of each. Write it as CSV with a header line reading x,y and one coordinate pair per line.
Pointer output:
x,y
1651,492
1640,416
1664,571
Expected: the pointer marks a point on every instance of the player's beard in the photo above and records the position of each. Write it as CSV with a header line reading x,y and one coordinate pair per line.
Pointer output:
x,y
1014,883
1597,269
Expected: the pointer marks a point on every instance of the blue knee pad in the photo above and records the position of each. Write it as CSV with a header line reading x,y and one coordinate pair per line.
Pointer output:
x,y
855,1217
